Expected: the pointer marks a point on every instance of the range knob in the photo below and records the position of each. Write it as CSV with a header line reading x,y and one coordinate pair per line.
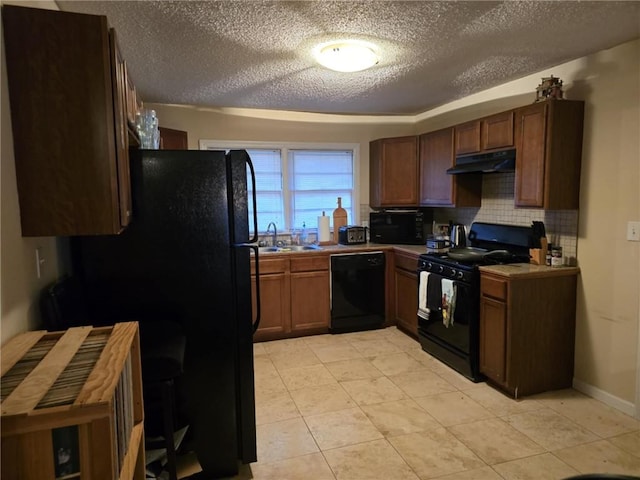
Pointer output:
x,y
460,275
440,269
429,265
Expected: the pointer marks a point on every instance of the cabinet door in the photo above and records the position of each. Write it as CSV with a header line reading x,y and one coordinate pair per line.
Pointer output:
x,y
493,339
64,129
171,139
406,300
393,172
274,307
119,82
468,137
548,163
436,156
531,128
437,188
310,303
497,131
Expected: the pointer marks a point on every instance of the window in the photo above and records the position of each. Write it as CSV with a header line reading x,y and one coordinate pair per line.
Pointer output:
x,y
295,183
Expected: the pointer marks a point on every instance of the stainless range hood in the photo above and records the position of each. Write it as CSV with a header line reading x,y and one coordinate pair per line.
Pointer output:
x,y
493,162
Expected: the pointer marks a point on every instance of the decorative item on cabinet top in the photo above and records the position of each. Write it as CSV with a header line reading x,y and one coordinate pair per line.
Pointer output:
x,y
550,87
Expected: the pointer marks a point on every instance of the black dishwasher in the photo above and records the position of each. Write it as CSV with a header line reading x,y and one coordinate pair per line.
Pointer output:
x,y
357,291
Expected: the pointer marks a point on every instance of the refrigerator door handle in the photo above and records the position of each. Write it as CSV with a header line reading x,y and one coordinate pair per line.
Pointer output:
x,y
254,238
253,242
256,322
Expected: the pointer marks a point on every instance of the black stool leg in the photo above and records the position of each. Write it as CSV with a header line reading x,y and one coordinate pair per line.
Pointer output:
x,y
169,426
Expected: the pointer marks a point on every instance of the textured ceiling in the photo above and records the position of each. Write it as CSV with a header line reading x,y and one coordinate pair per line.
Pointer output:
x,y
256,54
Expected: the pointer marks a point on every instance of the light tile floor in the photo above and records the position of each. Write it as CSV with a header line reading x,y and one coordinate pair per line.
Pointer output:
x,y
373,405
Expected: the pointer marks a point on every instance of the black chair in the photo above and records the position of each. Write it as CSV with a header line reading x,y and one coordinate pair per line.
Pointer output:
x,y
162,346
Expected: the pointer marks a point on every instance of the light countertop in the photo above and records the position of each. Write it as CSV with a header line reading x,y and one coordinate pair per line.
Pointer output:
x,y
528,270
364,247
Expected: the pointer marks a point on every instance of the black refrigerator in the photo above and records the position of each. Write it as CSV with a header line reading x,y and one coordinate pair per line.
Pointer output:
x,y
185,258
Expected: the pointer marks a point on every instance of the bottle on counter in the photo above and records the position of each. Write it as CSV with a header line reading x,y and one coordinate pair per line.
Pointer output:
x,y
556,256
548,256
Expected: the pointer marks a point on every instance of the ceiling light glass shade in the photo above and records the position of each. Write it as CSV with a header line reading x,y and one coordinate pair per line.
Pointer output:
x,y
346,55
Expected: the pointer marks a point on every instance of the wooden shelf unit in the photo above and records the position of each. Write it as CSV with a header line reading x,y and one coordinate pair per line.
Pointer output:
x,y
87,378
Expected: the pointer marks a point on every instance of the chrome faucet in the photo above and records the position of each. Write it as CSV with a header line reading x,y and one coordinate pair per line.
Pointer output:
x,y
274,238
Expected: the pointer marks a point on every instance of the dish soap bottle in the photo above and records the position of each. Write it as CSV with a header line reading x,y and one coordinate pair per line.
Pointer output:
x,y
339,219
303,234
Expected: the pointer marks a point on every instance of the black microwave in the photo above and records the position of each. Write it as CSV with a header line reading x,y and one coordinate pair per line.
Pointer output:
x,y
397,226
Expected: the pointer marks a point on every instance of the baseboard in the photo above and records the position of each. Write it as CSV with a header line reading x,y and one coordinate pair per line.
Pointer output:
x,y
623,405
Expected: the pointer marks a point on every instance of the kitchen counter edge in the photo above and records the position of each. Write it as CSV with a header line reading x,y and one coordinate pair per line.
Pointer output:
x,y
337,249
529,270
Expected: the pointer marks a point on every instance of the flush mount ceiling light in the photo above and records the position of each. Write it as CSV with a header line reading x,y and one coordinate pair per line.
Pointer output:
x,y
346,55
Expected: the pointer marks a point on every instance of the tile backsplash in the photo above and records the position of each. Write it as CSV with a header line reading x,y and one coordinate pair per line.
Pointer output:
x,y
497,207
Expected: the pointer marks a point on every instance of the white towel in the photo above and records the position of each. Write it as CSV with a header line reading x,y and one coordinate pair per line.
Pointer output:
x,y
448,302
423,310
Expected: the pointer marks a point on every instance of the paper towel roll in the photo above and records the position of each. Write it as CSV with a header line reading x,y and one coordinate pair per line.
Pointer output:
x,y
323,229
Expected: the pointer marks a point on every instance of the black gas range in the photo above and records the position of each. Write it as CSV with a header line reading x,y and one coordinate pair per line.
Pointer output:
x,y
449,292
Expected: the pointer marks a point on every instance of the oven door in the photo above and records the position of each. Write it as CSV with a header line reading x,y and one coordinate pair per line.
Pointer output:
x,y
458,334
454,340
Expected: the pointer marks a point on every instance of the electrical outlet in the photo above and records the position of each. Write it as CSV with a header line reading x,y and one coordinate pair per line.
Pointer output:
x,y
633,231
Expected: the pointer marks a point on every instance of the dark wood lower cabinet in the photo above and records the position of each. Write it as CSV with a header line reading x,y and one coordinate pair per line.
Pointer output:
x,y
405,288
310,301
275,311
294,296
527,330
492,338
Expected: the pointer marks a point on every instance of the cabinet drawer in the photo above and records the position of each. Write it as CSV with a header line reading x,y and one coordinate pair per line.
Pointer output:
x,y
493,287
406,262
270,265
310,263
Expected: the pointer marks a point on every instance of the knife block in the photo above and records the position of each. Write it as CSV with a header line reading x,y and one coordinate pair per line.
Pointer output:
x,y
539,255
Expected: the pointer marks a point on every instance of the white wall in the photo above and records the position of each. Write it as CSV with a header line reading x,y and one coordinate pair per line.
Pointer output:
x,y
19,284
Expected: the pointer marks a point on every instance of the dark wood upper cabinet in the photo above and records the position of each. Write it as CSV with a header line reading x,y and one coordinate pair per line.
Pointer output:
x,y
67,91
171,139
467,137
121,120
488,133
437,188
497,131
549,154
393,172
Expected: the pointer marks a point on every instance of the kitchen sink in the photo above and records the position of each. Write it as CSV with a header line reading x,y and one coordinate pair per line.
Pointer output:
x,y
289,248
267,249
298,248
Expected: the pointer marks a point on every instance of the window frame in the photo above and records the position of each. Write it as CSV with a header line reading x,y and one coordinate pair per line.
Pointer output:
x,y
284,147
